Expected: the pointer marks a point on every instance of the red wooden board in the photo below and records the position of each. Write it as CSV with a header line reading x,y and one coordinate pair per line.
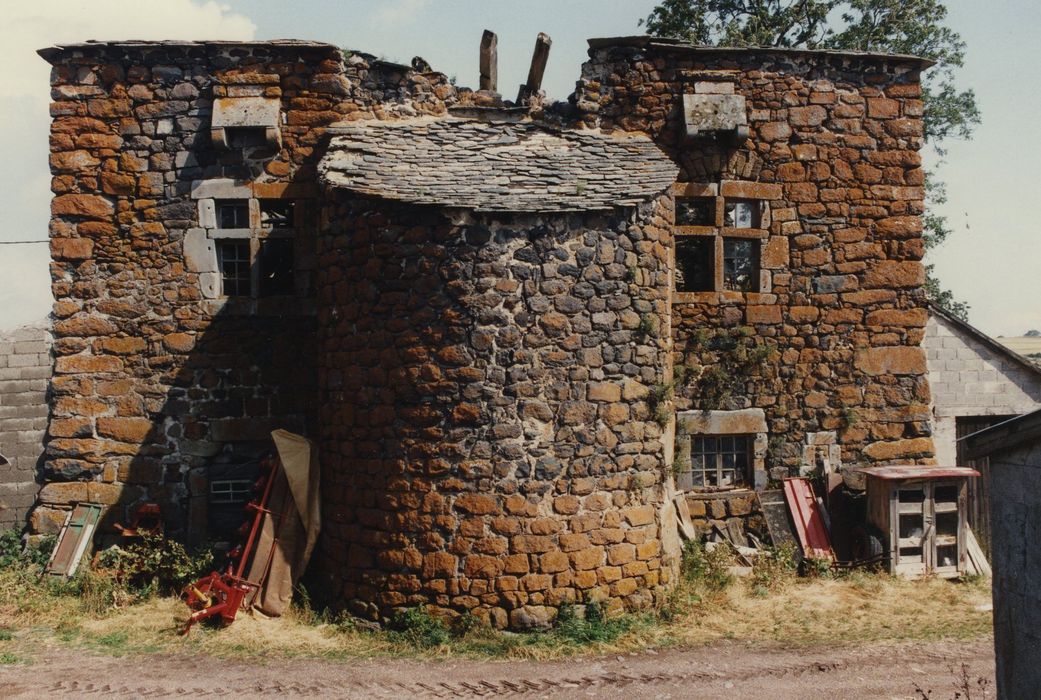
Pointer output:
x,y
806,516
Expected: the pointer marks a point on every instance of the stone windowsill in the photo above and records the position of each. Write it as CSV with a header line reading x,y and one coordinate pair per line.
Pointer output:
x,y
720,495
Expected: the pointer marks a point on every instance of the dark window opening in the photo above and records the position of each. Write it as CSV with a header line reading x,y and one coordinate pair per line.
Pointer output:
x,y
234,264
277,213
246,136
695,211
232,213
231,478
276,267
695,263
739,213
741,264
230,491
720,461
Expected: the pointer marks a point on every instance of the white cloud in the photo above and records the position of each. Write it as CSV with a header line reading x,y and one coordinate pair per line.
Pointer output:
x,y
398,12
24,97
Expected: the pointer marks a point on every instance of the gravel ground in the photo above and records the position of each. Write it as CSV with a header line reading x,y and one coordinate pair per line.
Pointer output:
x,y
731,670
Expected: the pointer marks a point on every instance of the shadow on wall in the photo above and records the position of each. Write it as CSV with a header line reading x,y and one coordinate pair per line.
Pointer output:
x,y
172,373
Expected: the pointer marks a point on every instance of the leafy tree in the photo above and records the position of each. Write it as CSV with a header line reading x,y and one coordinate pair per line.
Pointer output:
x,y
897,26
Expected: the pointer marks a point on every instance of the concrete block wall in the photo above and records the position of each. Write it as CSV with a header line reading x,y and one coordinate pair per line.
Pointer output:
x,y
968,378
25,369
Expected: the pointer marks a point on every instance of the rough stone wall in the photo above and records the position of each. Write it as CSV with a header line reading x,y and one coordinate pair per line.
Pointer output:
x,y
1016,529
737,513
834,153
968,378
25,367
156,378
486,444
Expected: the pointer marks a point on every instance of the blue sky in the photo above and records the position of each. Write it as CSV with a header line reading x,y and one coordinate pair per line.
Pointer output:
x,y
993,260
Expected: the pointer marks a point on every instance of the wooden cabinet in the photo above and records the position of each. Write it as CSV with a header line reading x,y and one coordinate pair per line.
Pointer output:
x,y
919,514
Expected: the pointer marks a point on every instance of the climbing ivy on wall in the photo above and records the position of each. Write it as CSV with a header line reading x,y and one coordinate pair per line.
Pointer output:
x,y
717,364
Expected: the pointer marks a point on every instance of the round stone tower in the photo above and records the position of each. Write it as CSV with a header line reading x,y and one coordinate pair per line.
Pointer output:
x,y
488,443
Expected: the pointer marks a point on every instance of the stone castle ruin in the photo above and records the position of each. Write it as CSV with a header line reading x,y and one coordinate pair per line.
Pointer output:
x,y
516,332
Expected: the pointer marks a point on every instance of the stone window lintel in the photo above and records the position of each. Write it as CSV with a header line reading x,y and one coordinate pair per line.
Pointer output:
x,y
748,421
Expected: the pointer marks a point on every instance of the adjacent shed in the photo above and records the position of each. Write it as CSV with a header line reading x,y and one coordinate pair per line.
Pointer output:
x,y
1013,449
976,382
919,515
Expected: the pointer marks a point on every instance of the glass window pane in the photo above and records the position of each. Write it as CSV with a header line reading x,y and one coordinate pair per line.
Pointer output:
x,y
741,264
947,523
947,555
277,213
232,213
233,259
276,267
695,263
695,211
742,214
725,459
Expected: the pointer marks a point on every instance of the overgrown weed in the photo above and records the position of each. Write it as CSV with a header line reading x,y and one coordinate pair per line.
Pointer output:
x,y
707,604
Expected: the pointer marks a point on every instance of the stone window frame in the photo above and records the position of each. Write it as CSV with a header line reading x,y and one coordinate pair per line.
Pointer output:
x,y
721,193
200,245
748,421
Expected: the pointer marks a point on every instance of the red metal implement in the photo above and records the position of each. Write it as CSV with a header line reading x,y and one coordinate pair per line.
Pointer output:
x,y
222,594
807,518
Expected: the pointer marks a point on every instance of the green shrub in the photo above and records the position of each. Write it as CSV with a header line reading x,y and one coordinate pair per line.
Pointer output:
x,y
774,568
154,564
418,628
465,624
710,567
815,567
594,627
13,553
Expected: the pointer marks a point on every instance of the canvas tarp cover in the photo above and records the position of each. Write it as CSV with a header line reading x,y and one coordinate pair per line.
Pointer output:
x,y
289,532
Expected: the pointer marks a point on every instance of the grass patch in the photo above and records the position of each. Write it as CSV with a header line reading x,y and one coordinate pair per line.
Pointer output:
x,y
772,606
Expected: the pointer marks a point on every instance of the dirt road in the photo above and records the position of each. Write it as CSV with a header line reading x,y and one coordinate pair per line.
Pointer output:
x,y
732,670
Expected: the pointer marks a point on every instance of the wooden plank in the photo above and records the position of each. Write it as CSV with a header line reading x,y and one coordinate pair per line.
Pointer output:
x,y
686,526
537,69
807,518
489,61
977,560
775,513
75,537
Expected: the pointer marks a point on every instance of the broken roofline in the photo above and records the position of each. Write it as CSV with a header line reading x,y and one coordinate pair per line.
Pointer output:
x,y
661,44
51,54
669,45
